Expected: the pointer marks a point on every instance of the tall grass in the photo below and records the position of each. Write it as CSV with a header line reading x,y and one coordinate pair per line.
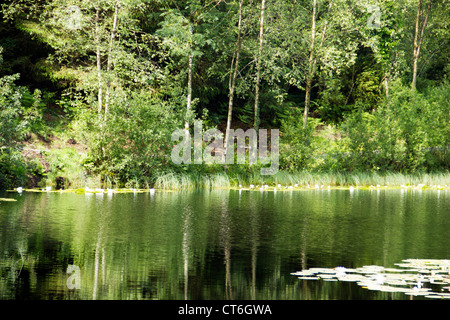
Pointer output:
x,y
190,181
394,179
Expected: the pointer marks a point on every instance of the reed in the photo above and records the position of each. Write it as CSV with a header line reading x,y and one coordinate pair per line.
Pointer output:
x,y
220,180
305,178
190,181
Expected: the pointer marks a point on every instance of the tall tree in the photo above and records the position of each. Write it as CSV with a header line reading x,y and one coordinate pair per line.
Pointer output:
x,y
332,44
110,57
311,65
418,38
384,41
233,74
99,62
258,66
182,35
88,45
178,37
312,60
189,87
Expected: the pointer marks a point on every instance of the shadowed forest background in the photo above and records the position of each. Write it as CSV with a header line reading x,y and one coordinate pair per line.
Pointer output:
x,y
91,91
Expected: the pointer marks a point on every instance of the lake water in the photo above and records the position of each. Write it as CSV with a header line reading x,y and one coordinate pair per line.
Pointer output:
x,y
224,244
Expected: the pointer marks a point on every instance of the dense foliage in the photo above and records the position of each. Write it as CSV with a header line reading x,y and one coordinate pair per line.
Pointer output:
x,y
96,88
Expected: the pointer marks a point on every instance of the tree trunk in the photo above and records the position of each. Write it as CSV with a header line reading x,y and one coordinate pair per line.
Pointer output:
x,y
418,38
258,66
189,95
233,75
99,65
307,101
311,66
312,61
109,62
386,84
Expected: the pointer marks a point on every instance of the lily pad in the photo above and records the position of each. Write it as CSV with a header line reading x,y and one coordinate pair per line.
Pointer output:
x,y
414,279
308,278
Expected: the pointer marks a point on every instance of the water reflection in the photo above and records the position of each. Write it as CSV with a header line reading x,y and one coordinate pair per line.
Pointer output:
x,y
225,240
212,244
100,247
186,247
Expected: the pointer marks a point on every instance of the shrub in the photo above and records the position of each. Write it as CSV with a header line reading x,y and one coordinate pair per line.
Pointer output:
x,y
296,146
409,132
15,122
134,142
65,168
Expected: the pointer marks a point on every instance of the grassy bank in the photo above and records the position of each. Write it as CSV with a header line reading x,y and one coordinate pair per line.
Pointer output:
x,y
281,180
189,181
61,166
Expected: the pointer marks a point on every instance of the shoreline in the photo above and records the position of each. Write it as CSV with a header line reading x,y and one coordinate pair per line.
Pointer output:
x,y
256,188
254,181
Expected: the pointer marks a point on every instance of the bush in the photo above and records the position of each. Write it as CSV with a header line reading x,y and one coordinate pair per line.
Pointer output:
x,y
409,132
13,170
316,148
134,142
66,168
15,121
296,146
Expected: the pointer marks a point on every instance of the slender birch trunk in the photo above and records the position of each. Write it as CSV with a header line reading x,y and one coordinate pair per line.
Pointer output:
x,y
99,65
310,67
109,61
418,40
258,67
233,76
189,95
312,61
386,84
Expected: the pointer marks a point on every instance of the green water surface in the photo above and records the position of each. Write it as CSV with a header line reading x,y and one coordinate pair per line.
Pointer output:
x,y
224,244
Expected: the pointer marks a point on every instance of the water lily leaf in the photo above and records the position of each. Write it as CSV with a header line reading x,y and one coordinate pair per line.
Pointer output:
x,y
411,280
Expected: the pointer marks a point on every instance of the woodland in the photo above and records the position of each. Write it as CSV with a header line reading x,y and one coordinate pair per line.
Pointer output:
x,y
91,90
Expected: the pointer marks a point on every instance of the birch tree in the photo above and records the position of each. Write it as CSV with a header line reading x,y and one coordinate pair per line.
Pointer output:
x,y
384,39
233,74
110,57
180,35
258,66
419,30
189,88
311,65
99,61
332,45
